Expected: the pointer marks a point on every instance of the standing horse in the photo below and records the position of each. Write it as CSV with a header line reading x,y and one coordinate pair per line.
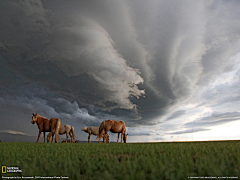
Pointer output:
x,y
45,125
64,129
114,127
95,131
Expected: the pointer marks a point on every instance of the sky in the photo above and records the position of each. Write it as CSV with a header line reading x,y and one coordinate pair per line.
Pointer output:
x,y
169,69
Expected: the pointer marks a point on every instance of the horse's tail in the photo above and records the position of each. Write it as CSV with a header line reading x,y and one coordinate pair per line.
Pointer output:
x,y
73,134
124,132
84,129
101,131
58,124
124,127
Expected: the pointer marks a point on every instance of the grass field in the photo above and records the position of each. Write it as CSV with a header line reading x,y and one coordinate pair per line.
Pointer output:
x,y
179,160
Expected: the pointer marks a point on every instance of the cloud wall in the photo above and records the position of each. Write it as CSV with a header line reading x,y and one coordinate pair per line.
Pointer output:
x,y
136,60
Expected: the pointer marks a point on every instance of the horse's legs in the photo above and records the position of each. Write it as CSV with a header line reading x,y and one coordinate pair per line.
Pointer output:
x,y
52,137
121,137
67,137
99,139
44,137
106,136
89,138
56,137
71,136
106,132
49,137
40,132
103,137
118,137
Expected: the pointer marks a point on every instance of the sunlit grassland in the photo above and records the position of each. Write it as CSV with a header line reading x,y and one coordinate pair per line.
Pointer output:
x,y
124,161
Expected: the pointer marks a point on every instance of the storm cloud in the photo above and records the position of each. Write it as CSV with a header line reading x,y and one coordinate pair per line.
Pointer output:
x,y
146,63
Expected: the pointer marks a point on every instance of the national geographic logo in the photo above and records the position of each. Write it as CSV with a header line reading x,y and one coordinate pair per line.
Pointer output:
x,y
6,169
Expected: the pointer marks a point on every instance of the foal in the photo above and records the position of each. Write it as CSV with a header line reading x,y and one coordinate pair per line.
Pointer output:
x,y
95,131
64,129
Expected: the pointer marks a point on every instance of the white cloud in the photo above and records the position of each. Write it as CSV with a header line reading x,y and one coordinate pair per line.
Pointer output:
x,y
12,132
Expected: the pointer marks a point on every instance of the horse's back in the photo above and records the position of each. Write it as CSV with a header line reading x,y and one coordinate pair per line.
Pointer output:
x,y
114,126
94,130
62,129
53,122
68,127
49,124
108,123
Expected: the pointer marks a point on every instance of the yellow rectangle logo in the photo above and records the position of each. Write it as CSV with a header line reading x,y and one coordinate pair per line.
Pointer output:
x,y
4,169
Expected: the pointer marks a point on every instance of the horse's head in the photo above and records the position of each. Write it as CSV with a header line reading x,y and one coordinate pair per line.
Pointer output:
x,y
125,137
34,118
84,129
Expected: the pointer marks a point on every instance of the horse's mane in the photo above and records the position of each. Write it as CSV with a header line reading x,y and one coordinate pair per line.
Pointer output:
x,y
37,115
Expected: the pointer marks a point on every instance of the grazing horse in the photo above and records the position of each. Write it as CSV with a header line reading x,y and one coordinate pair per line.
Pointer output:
x,y
95,131
45,125
114,127
64,129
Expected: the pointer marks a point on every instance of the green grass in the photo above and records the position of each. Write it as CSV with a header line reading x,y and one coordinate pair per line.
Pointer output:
x,y
124,161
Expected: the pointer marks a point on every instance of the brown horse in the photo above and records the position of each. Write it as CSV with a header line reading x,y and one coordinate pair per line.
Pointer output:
x,y
45,125
95,131
114,127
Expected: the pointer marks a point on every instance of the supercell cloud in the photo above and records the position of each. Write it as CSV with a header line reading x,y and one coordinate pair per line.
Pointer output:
x,y
147,63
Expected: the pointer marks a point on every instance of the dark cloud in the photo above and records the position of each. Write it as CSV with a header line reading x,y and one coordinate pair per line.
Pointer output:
x,y
132,60
82,52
